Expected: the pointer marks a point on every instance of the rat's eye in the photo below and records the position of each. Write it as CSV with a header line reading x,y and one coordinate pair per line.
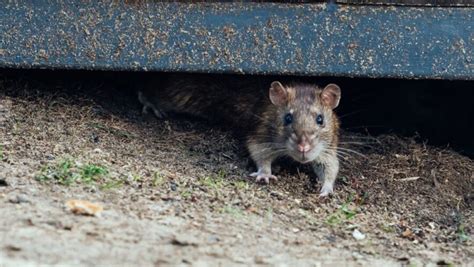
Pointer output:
x,y
319,119
288,119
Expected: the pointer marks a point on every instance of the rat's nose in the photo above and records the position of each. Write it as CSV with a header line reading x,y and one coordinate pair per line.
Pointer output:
x,y
304,147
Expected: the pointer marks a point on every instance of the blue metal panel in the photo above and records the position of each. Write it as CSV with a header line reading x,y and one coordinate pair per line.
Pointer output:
x,y
264,38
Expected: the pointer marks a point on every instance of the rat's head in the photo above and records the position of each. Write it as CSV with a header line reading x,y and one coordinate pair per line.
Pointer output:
x,y
306,118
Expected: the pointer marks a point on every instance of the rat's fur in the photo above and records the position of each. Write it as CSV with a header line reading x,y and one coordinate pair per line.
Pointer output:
x,y
259,117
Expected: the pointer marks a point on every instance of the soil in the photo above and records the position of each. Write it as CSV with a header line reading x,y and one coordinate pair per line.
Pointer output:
x,y
176,192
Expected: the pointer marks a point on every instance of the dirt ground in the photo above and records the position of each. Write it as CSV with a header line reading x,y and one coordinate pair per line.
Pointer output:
x,y
176,192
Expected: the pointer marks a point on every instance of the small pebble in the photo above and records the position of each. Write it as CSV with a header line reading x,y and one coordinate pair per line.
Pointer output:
x,y
173,186
259,260
357,255
19,199
432,225
358,235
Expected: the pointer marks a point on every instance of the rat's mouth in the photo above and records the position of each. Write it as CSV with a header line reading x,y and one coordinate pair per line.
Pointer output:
x,y
304,161
303,157
316,148
308,156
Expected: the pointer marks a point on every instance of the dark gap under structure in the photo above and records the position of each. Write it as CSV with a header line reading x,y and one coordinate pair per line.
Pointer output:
x,y
438,112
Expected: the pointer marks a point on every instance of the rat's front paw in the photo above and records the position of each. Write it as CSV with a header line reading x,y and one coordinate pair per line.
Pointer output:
x,y
263,177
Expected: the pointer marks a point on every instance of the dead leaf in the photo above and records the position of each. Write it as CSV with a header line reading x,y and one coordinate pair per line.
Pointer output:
x,y
82,207
408,234
252,209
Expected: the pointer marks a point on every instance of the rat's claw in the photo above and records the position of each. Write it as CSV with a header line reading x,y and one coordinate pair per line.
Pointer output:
x,y
147,105
326,190
265,177
159,113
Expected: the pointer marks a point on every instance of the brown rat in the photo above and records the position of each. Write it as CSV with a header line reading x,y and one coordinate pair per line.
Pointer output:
x,y
291,119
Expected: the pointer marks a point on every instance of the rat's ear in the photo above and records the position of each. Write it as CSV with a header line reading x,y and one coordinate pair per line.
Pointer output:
x,y
331,95
278,94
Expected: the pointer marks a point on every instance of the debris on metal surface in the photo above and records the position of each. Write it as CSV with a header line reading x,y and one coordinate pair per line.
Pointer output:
x,y
258,38
446,3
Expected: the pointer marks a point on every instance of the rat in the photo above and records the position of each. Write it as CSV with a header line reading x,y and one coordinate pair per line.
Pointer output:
x,y
288,119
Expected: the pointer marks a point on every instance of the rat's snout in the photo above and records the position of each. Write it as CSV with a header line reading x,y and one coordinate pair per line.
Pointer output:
x,y
304,147
304,144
